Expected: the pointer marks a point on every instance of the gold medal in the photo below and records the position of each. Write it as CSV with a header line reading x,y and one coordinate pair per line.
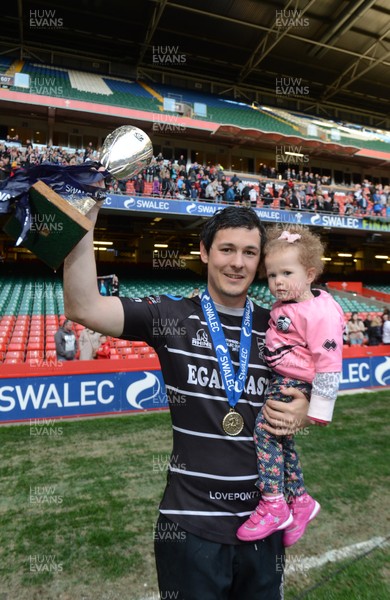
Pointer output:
x,y
233,423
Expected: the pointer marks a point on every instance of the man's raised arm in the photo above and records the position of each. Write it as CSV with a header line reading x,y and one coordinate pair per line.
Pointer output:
x,y
83,303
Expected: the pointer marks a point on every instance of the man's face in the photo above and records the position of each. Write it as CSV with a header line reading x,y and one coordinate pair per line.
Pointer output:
x,y
68,326
232,264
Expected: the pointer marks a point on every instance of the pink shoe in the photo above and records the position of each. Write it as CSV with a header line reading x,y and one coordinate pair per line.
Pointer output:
x,y
303,509
267,518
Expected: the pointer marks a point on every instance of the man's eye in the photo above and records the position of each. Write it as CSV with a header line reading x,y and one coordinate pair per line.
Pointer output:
x,y
287,273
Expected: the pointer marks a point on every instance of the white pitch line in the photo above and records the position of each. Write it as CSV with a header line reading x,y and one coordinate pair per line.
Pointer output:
x,y
300,564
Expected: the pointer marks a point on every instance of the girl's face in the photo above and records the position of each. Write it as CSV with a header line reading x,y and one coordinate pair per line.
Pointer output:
x,y
288,279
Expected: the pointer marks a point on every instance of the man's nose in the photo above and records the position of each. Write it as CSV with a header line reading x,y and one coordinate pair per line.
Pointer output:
x,y
237,260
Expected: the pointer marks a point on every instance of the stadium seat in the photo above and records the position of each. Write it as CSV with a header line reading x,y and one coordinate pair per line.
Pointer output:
x,y
15,354
16,346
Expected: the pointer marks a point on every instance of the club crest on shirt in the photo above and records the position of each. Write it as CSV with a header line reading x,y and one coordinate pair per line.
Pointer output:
x,y
283,323
201,340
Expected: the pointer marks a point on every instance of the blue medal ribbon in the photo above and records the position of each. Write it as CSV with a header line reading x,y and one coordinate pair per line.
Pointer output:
x,y
233,382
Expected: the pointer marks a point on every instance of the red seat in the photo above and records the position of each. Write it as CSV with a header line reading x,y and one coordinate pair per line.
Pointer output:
x,y
52,320
35,338
16,346
17,339
114,357
5,331
37,354
22,328
35,346
122,343
125,351
8,319
13,361
12,354
131,356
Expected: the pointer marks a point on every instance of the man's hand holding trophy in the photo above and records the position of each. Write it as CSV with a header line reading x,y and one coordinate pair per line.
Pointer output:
x,y
49,202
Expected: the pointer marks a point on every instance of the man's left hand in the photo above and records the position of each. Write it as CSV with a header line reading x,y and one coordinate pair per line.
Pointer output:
x,y
286,418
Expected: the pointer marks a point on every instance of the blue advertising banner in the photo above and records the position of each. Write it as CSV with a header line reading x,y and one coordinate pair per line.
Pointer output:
x,y
92,394
207,209
26,398
371,371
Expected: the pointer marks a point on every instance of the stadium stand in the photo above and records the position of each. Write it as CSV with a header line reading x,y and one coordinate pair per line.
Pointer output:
x,y
32,310
79,85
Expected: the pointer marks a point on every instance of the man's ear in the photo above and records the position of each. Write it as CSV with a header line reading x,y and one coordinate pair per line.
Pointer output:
x,y
203,254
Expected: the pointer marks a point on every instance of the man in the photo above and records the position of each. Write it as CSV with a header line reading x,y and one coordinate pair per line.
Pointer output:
x,y
66,343
215,380
89,342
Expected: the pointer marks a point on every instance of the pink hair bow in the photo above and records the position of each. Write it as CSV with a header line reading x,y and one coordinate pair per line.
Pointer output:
x,y
289,237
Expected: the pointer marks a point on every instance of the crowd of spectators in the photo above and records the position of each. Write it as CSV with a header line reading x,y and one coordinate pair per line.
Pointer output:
x,y
300,190
368,332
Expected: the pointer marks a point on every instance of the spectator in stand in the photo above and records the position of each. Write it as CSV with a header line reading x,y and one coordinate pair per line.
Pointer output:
x,y
335,207
89,342
182,161
139,185
267,198
180,184
374,332
245,195
219,192
350,208
115,286
156,187
66,342
194,192
165,183
5,168
88,152
149,172
253,196
230,193
386,329
104,349
210,192
355,328
377,205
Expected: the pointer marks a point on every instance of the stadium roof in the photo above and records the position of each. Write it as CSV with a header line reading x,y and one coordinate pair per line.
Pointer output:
x,y
328,58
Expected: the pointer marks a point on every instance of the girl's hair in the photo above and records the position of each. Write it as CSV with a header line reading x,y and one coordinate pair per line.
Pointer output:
x,y
309,245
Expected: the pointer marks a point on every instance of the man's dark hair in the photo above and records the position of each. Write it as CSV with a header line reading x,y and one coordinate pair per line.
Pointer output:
x,y
232,216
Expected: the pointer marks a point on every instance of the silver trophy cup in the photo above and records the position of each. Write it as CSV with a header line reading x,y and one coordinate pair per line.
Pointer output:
x,y
126,151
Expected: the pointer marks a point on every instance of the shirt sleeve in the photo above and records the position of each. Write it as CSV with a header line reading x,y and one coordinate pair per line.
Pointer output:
x,y
325,342
323,396
324,336
143,319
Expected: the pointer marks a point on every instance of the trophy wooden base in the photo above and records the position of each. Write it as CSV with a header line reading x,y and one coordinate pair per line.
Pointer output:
x,y
56,226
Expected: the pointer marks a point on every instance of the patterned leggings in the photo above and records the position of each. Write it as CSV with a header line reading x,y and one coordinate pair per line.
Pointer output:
x,y
277,461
